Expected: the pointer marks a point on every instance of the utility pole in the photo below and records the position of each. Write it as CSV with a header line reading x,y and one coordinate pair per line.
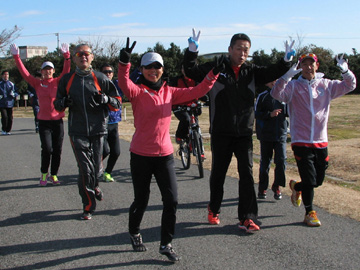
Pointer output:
x,y
57,34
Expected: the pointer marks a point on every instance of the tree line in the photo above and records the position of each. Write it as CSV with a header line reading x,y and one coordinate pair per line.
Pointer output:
x,y
173,57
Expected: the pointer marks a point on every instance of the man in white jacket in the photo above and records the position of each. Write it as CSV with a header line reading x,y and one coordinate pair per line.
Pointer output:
x,y
308,99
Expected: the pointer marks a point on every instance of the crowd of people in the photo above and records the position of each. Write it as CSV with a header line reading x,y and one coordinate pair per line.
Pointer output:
x,y
94,99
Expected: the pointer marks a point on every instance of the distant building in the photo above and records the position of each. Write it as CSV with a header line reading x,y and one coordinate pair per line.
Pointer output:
x,y
27,52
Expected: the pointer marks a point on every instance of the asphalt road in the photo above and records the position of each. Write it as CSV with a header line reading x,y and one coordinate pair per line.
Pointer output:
x,y
40,227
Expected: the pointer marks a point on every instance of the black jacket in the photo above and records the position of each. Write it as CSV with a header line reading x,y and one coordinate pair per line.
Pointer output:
x,y
85,119
272,129
231,100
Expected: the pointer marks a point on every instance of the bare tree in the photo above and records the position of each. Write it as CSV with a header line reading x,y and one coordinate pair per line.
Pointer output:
x,y
102,48
7,36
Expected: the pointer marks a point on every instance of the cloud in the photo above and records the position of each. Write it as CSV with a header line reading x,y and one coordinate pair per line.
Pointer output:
x,y
30,13
118,15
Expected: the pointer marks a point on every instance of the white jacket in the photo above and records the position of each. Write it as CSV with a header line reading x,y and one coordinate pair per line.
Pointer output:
x,y
309,105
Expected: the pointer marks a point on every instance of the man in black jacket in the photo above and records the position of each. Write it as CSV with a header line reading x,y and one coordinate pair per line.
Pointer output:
x,y
271,130
88,94
232,119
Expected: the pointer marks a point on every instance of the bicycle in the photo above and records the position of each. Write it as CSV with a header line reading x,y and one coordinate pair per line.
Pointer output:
x,y
194,142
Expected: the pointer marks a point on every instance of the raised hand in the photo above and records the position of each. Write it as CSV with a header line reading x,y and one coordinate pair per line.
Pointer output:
x,y
342,63
14,49
194,41
125,53
289,51
292,72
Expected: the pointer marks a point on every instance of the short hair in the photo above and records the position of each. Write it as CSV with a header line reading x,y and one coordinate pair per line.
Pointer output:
x,y
106,65
81,45
239,36
3,72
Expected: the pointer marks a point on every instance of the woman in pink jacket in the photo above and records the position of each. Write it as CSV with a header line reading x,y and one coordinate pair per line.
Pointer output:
x,y
51,128
151,148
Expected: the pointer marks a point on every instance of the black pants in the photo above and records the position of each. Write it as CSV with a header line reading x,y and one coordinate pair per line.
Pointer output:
x,y
223,147
111,147
88,154
182,131
312,164
142,169
51,137
267,150
6,119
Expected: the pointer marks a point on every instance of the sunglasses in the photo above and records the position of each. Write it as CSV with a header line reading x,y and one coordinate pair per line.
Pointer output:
x,y
107,71
80,54
154,66
306,55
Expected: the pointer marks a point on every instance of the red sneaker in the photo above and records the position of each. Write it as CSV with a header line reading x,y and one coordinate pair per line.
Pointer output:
x,y
213,218
249,226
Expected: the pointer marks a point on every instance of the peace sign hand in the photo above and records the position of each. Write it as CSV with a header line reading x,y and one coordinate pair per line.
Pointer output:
x,y
125,53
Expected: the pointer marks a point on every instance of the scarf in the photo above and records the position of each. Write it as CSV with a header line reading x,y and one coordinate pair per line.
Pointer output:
x,y
154,86
83,72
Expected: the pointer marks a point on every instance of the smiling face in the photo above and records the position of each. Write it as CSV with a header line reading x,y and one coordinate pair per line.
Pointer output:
x,y
239,52
47,72
309,68
152,72
83,57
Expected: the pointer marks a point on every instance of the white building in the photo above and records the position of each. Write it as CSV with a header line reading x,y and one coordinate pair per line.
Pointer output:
x,y
27,52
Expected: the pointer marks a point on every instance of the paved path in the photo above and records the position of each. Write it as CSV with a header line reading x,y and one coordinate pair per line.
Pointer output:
x,y
40,227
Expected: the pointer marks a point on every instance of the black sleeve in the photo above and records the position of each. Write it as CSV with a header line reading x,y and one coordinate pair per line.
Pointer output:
x,y
192,69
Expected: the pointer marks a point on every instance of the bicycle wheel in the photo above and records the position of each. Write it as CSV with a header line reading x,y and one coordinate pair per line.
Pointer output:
x,y
197,152
185,154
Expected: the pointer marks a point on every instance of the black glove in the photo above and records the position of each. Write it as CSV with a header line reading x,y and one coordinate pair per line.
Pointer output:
x,y
125,53
100,99
219,64
67,102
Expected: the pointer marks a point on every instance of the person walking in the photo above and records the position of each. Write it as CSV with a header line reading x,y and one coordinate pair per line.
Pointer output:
x,y
7,95
111,139
271,131
151,148
88,94
308,98
51,126
231,120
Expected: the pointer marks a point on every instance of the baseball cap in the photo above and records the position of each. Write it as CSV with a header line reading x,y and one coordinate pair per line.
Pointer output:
x,y
151,57
308,56
47,64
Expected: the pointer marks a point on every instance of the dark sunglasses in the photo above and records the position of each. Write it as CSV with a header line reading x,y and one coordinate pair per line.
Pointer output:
x,y
153,65
80,54
107,71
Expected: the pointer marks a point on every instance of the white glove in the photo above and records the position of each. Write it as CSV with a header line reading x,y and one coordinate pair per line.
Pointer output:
x,y
289,51
291,72
64,48
342,64
14,49
194,41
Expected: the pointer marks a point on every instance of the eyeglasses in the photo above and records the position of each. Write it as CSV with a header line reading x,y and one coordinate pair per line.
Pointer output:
x,y
308,55
80,54
107,71
153,65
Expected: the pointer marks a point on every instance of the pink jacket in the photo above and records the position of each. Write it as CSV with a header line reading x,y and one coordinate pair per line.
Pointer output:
x,y
45,89
152,111
309,105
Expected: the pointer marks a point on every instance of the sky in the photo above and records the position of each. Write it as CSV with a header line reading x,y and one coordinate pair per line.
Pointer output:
x,y
330,24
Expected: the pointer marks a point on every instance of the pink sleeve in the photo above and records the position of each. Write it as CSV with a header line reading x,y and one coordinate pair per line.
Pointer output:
x,y
24,72
126,85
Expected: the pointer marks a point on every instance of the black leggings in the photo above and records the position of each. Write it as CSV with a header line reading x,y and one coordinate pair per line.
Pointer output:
x,y
51,137
142,169
111,146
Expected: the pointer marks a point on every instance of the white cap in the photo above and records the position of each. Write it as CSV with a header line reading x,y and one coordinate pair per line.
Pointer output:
x,y
47,64
151,57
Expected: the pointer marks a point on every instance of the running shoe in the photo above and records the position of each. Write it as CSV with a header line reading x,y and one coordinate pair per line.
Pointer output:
x,y
213,218
3,133
8,133
249,226
137,243
277,192
262,194
312,220
169,252
54,179
296,195
86,216
107,177
98,194
43,179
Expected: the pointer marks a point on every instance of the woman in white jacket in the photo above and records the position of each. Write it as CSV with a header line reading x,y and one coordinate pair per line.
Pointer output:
x,y
308,99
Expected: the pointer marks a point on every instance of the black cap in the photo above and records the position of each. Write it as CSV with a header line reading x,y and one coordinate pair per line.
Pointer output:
x,y
240,36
